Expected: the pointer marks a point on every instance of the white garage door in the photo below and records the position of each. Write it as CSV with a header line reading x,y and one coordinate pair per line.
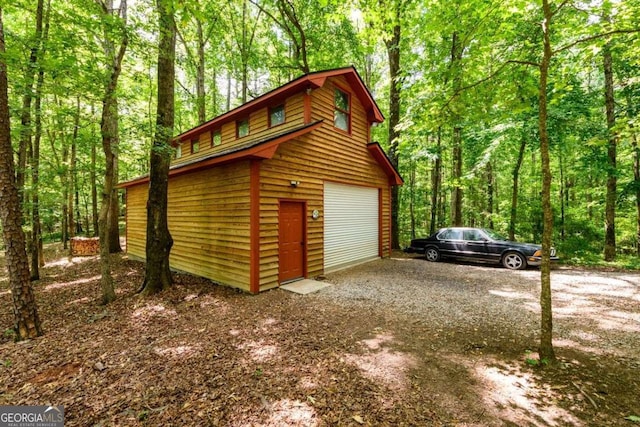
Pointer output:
x,y
350,225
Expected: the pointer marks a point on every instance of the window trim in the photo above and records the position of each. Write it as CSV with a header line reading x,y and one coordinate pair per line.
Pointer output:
x,y
336,109
273,109
238,124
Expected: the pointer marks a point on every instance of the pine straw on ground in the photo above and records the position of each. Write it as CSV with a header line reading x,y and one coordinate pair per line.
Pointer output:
x,y
200,354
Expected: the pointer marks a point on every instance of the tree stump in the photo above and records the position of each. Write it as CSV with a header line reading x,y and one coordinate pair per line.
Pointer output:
x,y
85,246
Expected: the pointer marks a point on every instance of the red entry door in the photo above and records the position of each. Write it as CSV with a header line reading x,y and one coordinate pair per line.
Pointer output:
x,y
291,240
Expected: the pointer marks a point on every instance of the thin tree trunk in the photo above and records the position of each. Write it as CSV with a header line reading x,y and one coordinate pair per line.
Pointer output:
x,y
79,219
200,72
436,179
228,105
110,137
611,195
393,53
159,242
490,184
64,178
562,193
546,351
514,193
27,97
412,199
636,179
71,191
93,177
114,214
214,94
25,310
456,196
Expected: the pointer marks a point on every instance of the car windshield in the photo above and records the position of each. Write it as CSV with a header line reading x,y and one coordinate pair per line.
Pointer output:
x,y
493,235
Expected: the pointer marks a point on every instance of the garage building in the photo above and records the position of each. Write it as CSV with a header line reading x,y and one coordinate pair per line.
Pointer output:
x,y
284,187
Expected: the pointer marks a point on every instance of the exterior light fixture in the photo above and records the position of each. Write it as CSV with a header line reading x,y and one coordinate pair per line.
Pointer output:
x,y
294,184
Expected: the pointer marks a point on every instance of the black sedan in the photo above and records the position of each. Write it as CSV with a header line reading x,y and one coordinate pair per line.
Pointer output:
x,y
478,244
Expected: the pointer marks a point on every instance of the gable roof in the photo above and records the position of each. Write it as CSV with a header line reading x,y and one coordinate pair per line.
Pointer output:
x,y
308,81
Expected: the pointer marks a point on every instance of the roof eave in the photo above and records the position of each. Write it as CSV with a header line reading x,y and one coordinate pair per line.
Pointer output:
x,y
381,157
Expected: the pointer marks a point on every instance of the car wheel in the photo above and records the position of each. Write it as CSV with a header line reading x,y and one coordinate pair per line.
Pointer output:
x,y
514,261
432,254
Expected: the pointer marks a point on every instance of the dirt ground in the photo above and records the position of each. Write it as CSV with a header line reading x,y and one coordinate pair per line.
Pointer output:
x,y
440,345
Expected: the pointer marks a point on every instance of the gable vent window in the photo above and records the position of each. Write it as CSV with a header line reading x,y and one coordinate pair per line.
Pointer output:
x,y
276,115
342,112
242,128
195,146
216,139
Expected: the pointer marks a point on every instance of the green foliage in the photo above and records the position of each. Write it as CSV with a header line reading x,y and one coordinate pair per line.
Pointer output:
x,y
535,362
490,92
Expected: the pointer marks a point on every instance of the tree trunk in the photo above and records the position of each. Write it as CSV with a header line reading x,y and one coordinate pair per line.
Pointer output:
x,y
228,104
456,195
393,52
490,190
93,177
412,199
514,193
27,322
214,94
158,246
546,351
436,179
37,249
72,179
27,97
611,196
636,179
562,193
200,72
110,138
114,214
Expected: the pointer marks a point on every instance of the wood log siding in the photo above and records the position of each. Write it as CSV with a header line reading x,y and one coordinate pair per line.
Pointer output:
x,y
209,222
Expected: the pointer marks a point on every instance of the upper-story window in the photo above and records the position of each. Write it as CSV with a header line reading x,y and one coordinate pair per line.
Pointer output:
x,y
195,146
342,111
242,128
216,138
276,115
178,152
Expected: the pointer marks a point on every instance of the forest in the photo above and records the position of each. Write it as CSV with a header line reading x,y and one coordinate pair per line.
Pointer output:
x,y
464,86
516,115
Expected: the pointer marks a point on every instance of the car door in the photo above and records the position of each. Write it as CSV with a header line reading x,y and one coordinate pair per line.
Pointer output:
x,y
449,240
475,244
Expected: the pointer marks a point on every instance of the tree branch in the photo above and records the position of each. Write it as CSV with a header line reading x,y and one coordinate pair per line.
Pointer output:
x,y
489,77
559,8
595,37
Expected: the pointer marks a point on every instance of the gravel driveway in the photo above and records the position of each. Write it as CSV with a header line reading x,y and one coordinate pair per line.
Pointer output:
x,y
593,310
